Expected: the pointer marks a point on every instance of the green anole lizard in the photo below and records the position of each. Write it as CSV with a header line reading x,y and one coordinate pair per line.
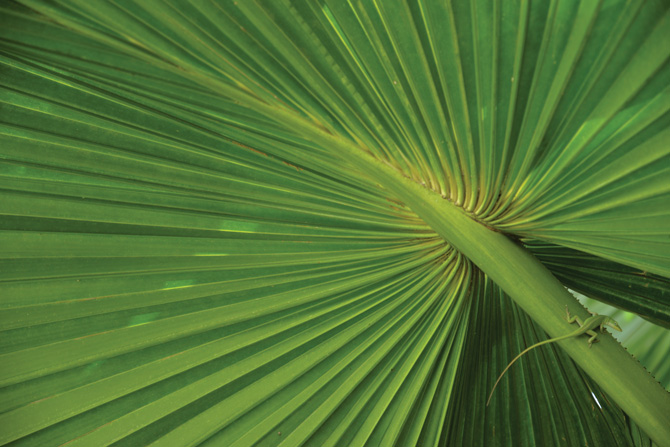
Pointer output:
x,y
586,327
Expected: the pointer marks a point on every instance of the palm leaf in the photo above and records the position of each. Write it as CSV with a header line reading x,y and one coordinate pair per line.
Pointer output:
x,y
646,341
616,284
210,233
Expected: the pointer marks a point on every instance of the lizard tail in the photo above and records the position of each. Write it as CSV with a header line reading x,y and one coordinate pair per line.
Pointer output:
x,y
512,363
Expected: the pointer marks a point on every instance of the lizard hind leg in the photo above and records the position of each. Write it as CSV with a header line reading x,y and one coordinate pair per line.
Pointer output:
x,y
594,337
572,318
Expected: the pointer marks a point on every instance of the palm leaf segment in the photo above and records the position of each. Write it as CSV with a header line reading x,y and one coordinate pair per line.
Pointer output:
x,y
192,256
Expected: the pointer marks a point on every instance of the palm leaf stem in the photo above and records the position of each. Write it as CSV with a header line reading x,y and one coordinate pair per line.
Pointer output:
x,y
527,281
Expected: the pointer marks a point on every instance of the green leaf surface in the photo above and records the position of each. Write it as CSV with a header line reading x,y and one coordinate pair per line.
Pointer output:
x,y
205,236
624,287
646,341
557,403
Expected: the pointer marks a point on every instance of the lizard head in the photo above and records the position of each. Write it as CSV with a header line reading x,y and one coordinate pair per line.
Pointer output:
x,y
613,324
